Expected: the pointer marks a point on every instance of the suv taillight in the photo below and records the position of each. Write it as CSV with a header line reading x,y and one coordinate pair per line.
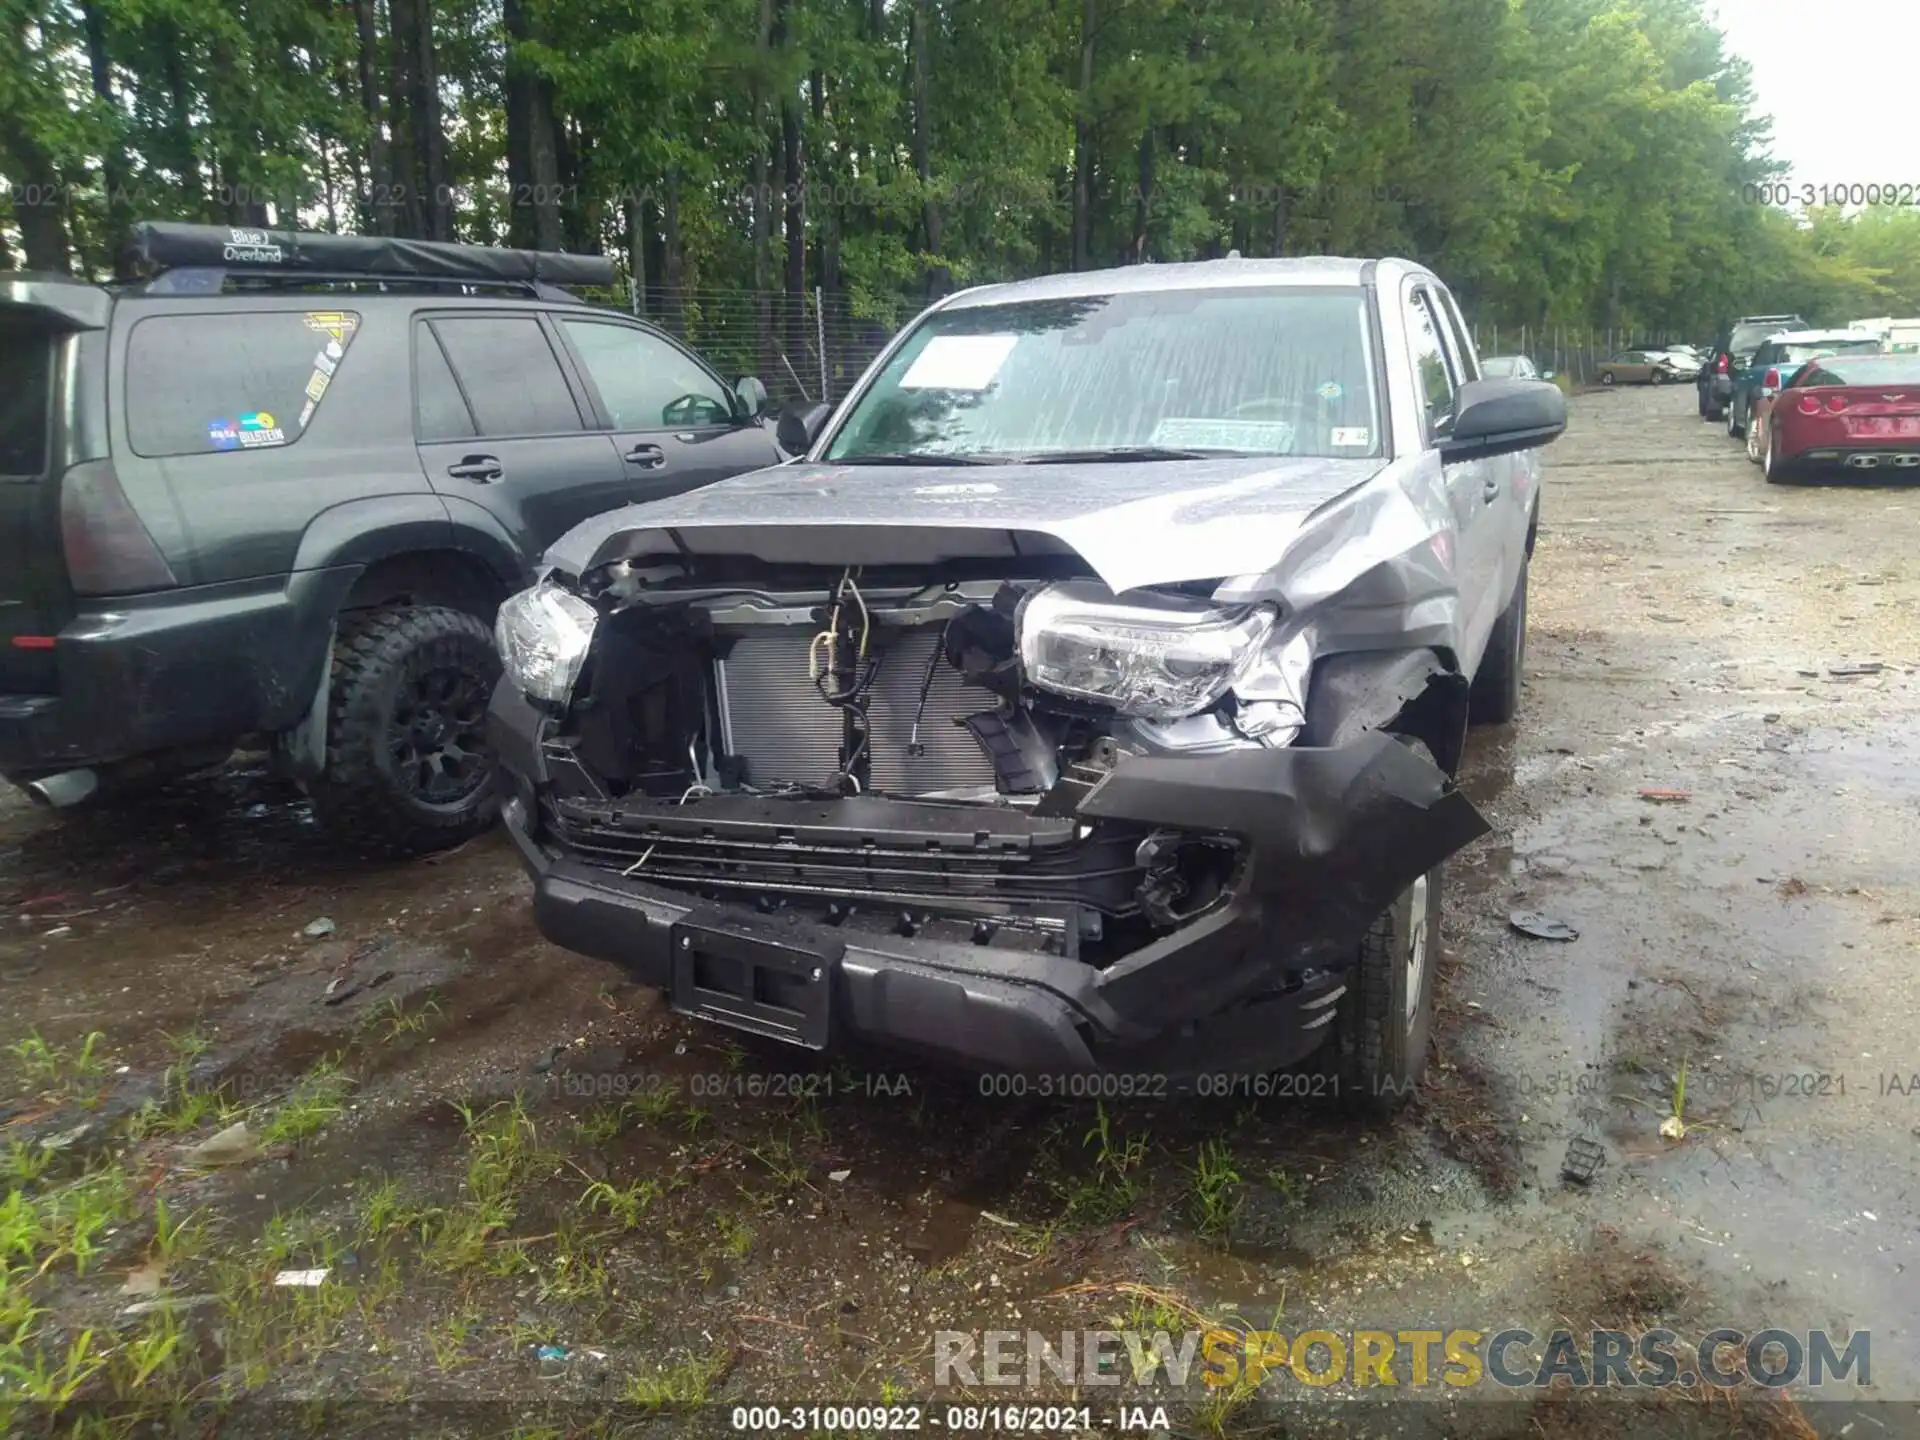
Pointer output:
x,y
108,549
1770,380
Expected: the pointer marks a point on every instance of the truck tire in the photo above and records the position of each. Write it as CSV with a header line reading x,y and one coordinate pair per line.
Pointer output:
x,y
408,770
1383,1024
1495,696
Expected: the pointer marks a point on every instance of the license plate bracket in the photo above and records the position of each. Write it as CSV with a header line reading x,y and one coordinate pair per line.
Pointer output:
x,y
735,974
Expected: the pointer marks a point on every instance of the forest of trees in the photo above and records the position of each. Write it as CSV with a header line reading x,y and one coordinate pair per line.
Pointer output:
x,y
1559,161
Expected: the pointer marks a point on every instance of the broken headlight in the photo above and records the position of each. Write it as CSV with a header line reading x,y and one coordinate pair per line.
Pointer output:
x,y
543,634
1158,657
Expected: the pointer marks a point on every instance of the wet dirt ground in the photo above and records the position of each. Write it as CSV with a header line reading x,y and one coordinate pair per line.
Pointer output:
x,y
1712,783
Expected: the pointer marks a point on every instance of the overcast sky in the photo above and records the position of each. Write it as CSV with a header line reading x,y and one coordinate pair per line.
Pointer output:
x,y
1837,78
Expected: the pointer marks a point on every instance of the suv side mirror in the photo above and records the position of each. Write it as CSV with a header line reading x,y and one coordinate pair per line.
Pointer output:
x,y
1498,417
752,396
798,429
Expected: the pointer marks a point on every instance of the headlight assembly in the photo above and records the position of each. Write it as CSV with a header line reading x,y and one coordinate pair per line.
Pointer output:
x,y
544,634
1158,658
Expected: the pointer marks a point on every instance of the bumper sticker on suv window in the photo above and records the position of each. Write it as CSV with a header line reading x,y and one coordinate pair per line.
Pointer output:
x,y
1357,435
336,323
223,434
316,387
259,429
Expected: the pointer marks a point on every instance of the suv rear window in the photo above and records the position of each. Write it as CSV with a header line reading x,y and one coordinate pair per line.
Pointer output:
x,y
26,386
242,381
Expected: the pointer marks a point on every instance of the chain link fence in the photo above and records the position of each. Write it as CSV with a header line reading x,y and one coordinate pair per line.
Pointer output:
x,y
1572,351
811,347
806,349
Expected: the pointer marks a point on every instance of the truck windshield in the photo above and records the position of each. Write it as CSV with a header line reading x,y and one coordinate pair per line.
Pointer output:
x,y
1162,375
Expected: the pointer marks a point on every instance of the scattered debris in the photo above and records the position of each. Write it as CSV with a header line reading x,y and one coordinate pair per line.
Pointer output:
x,y
234,1145
170,1302
147,1279
1585,1159
339,990
58,930
1790,887
1844,672
318,929
1666,797
306,1279
1541,927
66,1137
1673,1128
838,1175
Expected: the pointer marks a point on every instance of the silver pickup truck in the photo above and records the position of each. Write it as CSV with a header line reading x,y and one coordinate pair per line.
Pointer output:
x,y
1084,701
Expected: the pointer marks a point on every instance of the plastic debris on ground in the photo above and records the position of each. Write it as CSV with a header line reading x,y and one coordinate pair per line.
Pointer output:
x,y
318,929
1541,927
1585,1159
305,1279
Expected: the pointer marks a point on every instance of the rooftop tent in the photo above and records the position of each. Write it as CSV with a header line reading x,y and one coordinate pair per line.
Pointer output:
x,y
164,245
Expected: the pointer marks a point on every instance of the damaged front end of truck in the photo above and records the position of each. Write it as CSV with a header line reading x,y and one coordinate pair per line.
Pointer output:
x,y
1024,799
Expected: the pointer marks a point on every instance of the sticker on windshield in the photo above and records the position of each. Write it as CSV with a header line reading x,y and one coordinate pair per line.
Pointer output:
x,y
223,434
958,362
1330,390
1352,435
1270,437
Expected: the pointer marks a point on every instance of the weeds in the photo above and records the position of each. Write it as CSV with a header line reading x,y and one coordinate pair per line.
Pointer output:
x,y
1112,1190
687,1383
624,1205
51,1069
1216,1188
313,1103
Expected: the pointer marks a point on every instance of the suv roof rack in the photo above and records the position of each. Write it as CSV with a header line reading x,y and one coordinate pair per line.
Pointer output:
x,y
199,260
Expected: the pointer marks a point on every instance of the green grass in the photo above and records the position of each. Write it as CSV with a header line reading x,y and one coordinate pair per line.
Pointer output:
x,y
1111,1190
689,1382
1216,1189
315,1101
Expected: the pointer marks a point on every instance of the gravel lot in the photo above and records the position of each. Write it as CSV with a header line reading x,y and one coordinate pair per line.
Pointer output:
x,y
688,1218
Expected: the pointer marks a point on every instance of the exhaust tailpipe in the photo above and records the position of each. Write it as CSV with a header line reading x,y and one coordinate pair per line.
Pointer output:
x,y
69,787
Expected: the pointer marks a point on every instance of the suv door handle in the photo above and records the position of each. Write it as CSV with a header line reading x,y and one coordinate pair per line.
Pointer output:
x,y
482,468
649,457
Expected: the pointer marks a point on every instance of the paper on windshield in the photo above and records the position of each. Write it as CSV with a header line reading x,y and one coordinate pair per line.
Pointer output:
x,y
958,362
1199,433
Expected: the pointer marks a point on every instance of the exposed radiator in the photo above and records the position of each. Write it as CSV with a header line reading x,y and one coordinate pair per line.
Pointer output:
x,y
777,722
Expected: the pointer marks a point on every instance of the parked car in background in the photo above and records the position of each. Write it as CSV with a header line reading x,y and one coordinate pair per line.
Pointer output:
x,y
1777,357
1849,413
1512,367
1642,367
278,489
1900,337
1733,352
1086,700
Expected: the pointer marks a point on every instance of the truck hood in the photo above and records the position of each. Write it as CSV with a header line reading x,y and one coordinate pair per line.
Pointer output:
x,y
1134,523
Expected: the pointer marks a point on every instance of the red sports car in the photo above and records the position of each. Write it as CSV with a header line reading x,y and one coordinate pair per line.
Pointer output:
x,y
1853,413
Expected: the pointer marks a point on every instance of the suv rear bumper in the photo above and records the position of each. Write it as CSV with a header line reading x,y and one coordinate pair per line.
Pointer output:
x,y
1331,836
202,665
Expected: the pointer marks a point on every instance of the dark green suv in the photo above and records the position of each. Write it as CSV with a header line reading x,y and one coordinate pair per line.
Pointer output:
x,y
278,488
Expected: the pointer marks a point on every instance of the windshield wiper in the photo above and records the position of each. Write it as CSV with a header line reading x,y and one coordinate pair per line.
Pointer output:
x,y
927,457
1119,454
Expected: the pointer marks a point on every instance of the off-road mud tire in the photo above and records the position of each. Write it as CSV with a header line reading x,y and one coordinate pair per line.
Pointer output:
x,y
378,655
1378,1054
1495,696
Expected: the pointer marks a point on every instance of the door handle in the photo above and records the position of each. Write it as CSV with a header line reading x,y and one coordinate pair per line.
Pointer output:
x,y
482,468
648,457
